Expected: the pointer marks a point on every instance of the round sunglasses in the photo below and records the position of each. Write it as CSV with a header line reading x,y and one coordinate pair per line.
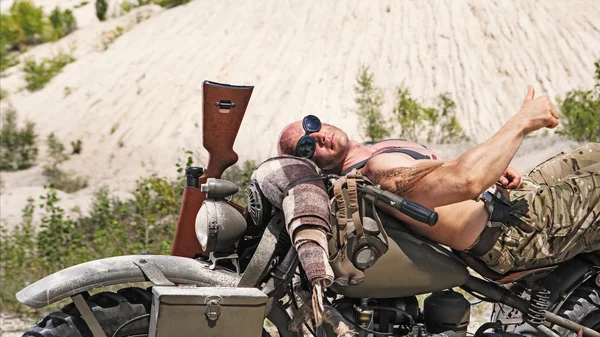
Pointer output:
x,y
306,145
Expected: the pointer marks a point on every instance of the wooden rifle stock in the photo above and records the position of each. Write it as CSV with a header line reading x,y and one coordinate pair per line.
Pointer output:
x,y
223,109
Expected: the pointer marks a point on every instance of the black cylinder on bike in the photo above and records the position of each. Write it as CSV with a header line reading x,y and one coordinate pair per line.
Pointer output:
x,y
447,310
192,173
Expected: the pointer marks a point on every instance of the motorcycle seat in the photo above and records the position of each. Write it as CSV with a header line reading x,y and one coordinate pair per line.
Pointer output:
x,y
470,260
480,267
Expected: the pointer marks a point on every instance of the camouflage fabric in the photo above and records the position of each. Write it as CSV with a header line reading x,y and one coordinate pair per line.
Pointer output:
x,y
555,216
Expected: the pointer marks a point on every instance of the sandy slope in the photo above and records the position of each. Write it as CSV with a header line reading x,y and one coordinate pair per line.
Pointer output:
x,y
137,104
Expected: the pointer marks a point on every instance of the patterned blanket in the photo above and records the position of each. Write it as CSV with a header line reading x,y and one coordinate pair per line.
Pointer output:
x,y
306,210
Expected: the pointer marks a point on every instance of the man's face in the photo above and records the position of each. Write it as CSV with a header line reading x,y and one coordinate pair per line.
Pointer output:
x,y
332,144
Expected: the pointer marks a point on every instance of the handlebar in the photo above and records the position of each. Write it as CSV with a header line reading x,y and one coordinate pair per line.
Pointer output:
x,y
407,207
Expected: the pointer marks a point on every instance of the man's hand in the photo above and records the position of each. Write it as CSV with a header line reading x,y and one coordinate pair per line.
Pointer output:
x,y
511,179
536,113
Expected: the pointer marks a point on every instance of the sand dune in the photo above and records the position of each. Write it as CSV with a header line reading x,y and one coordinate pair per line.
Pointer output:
x,y
137,105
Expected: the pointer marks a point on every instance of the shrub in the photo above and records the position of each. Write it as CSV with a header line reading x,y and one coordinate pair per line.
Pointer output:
x,y
582,111
58,235
67,182
63,23
81,4
77,146
8,37
101,8
37,75
19,264
9,30
56,177
56,149
127,6
369,100
18,146
170,3
6,59
145,223
439,122
3,94
28,23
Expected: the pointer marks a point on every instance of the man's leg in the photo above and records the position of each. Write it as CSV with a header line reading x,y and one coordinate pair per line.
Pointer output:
x,y
563,164
550,224
566,217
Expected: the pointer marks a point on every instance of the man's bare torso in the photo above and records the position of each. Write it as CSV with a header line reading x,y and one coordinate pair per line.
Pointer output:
x,y
459,223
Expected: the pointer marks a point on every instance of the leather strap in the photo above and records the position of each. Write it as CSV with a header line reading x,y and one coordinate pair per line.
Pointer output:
x,y
353,201
341,214
260,262
305,179
415,155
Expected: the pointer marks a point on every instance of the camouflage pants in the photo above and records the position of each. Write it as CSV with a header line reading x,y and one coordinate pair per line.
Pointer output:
x,y
555,216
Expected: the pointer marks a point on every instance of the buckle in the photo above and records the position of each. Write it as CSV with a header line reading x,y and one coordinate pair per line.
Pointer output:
x,y
488,199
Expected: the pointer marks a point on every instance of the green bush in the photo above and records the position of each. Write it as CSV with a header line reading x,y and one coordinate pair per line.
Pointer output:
x,y
81,4
8,38
3,94
29,22
101,8
63,22
19,265
67,182
6,59
582,111
37,75
18,146
57,178
77,146
170,3
369,100
59,235
9,30
144,223
439,122
26,24
56,149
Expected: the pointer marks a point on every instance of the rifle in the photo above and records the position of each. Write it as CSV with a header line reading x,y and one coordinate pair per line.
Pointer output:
x,y
223,109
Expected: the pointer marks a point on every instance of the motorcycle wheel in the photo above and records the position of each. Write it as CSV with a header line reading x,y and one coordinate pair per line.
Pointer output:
x,y
128,310
583,307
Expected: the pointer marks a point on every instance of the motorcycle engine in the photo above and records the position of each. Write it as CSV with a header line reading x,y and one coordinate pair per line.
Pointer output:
x,y
447,310
384,315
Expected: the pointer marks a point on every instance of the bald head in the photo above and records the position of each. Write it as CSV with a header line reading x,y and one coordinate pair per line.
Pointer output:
x,y
289,136
332,145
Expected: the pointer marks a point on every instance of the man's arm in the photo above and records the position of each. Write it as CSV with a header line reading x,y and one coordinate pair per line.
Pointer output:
x,y
437,183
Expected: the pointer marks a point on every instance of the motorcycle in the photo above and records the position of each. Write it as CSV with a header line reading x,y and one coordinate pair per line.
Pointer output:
x,y
252,273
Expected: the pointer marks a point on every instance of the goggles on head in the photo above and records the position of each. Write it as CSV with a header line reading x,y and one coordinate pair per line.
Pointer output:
x,y
306,145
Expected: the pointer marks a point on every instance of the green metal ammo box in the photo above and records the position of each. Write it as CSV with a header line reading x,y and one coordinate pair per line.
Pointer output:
x,y
207,312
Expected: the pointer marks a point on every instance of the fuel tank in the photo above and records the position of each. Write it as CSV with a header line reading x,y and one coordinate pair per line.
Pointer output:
x,y
411,266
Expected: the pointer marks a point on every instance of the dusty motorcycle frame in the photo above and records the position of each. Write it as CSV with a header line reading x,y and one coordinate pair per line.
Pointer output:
x,y
412,266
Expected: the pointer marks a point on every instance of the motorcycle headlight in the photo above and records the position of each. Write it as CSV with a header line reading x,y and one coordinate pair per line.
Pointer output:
x,y
219,226
365,257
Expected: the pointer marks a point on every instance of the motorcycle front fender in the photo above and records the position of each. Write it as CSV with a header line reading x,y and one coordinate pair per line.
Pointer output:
x,y
120,269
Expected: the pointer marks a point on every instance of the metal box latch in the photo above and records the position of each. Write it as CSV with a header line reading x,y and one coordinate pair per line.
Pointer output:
x,y
213,308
